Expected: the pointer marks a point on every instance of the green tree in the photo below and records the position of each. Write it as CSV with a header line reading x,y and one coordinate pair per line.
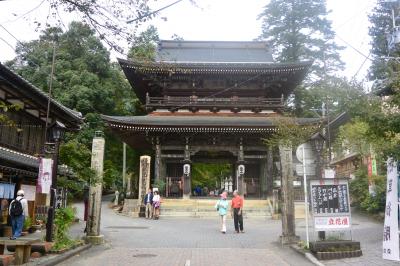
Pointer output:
x,y
145,45
84,80
299,30
381,24
335,94
382,115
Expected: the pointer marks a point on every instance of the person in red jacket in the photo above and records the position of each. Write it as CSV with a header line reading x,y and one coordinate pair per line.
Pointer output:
x,y
237,211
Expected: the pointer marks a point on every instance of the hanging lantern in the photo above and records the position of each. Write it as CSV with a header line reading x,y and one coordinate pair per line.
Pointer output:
x,y
186,169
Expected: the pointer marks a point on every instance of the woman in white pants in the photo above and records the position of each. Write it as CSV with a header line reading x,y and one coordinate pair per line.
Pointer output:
x,y
222,208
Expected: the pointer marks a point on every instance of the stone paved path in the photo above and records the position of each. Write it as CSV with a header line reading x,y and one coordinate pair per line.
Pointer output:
x,y
186,241
194,241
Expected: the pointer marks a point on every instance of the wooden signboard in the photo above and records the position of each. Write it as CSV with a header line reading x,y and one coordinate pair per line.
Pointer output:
x,y
330,204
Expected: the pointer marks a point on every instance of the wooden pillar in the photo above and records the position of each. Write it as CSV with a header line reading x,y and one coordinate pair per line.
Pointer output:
x,y
288,219
263,178
187,184
157,161
240,177
269,171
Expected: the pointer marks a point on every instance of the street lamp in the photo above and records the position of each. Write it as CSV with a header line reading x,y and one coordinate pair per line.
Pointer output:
x,y
56,131
317,140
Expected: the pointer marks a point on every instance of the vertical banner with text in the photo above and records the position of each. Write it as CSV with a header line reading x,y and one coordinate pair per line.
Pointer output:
x,y
45,174
391,227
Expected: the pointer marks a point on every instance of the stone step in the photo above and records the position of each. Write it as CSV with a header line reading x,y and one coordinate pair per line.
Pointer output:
x,y
208,214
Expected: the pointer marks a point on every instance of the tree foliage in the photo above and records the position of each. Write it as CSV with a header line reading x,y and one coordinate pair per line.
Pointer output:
x,y
381,24
85,80
112,20
206,175
336,95
289,132
299,30
382,114
145,45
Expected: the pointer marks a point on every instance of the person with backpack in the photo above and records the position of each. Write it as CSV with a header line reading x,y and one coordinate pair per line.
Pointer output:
x,y
18,212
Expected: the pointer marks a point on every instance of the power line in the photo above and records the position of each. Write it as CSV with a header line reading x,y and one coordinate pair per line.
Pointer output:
x,y
153,12
361,66
355,49
12,47
26,13
21,43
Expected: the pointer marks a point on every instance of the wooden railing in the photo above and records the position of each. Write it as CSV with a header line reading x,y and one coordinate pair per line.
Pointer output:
x,y
252,103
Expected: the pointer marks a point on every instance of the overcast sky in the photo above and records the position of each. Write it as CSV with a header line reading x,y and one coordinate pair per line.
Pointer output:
x,y
209,20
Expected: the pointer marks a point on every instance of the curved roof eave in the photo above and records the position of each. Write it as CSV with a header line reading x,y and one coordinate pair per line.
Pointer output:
x,y
73,115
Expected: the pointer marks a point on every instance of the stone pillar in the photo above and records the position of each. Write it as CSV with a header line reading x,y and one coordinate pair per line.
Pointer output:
x,y
144,182
95,192
288,219
157,161
270,171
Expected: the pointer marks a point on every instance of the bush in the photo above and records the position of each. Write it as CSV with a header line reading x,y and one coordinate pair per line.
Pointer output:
x,y
361,197
64,217
27,223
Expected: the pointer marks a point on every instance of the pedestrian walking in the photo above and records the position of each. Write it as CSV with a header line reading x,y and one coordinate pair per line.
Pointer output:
x,y
18,211
237,211
156,205
148,202
222,208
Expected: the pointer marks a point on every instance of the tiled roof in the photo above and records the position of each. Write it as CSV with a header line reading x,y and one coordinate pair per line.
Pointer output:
x,y
198,123
18,157
213,51
26,88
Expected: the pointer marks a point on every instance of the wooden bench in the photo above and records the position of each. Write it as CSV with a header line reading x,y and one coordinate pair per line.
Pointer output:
x,y
22,248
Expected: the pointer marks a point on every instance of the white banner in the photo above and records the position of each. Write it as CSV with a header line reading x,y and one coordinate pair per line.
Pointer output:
x,y
30,192
391,227
45,173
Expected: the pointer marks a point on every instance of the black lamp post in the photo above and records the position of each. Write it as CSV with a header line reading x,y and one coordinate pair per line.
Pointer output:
x,y
56,131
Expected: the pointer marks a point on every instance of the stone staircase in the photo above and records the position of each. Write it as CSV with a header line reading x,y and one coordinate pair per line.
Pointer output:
x,y
205,208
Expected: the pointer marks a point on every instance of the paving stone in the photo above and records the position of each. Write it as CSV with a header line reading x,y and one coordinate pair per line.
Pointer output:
x,y
174,241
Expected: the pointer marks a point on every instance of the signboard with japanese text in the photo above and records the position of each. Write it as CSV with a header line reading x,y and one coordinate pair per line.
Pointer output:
x,y
390,246
330,204
45,175
332,222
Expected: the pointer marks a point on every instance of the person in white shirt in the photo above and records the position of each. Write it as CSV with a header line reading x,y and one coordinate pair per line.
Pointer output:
x,y
156,205
18,211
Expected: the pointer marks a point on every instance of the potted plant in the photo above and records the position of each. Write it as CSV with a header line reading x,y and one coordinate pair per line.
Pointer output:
x,y
27,225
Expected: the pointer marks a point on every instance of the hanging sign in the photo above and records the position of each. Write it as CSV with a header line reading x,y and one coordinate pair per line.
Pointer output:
x,y
330,204
45,174
390,246
186,169
241,169
29,192
329,173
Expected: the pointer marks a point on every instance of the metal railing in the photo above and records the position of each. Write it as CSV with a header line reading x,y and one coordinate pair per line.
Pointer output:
x,y
169,102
